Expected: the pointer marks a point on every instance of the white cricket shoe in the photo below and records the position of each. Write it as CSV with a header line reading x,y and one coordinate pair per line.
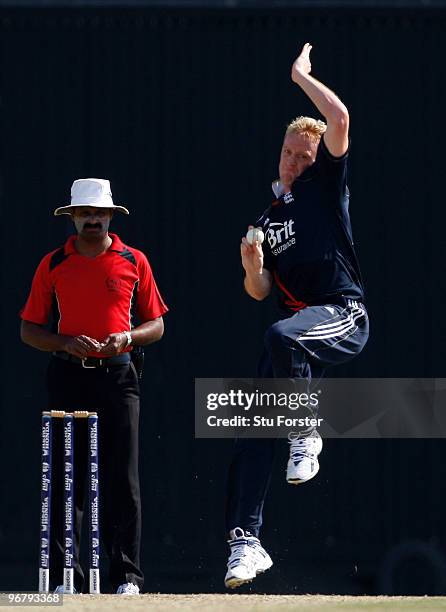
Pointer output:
x,y
61,589
128,588
247,559
303,464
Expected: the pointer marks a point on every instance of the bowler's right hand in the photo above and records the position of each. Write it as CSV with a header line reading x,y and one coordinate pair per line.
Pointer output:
x,y
80,346
252,256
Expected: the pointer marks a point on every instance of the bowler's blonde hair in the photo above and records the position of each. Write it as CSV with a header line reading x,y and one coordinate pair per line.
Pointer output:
x,y
313,128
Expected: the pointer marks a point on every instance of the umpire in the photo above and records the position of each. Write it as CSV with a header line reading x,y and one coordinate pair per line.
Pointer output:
x,y
91,289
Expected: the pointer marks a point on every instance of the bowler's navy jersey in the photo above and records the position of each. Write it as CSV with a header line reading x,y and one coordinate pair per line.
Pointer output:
x,y
308,243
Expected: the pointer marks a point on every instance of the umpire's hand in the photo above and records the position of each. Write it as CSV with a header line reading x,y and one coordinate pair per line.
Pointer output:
x,y
114,344
80,346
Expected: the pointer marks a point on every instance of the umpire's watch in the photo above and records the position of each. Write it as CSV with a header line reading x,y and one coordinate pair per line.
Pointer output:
x,y
129,338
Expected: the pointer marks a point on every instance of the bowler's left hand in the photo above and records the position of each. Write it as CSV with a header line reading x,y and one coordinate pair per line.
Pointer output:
x,y
302,65
114,344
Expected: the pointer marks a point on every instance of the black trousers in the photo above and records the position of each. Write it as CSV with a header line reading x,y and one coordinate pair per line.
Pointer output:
x,y
114,394
300,346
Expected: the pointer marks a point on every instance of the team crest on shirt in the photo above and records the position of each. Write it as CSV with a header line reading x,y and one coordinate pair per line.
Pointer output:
x,y
113,284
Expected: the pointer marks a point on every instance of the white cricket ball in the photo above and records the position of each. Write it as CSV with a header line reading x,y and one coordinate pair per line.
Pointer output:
x,y
255,233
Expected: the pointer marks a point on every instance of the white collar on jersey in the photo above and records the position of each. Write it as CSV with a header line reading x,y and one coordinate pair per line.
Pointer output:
x,y
278,188
279,191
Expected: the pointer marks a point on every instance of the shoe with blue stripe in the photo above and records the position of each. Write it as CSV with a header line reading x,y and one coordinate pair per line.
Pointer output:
x,y
303,463
247,558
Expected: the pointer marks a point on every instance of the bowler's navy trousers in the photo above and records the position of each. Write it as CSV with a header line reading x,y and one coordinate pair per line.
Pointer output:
x,y
300,346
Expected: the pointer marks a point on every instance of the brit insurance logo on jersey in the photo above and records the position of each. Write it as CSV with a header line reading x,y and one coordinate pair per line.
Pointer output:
x,y
281,236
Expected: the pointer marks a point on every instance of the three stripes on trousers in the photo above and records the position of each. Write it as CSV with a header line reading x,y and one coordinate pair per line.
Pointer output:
x,y
340,324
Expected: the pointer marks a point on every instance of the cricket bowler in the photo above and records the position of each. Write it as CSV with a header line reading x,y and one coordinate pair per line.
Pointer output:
x,y
309,259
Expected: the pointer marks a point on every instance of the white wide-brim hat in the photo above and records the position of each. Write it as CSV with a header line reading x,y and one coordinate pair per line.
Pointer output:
x,y
90,192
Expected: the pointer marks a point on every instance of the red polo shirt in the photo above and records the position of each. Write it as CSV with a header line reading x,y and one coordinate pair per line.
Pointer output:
x,y
93,296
